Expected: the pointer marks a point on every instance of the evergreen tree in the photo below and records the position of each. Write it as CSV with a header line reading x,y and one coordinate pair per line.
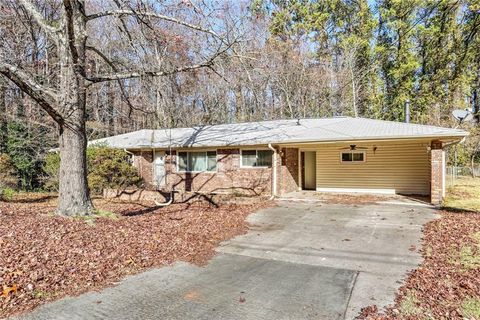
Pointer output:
x,y
396,54
25,148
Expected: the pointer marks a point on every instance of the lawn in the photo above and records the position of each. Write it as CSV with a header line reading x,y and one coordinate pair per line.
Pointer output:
x,y
447,283
44,257
464,195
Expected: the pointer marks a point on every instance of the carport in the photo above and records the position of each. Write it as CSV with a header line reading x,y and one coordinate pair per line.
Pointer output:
x,y
394,166
400,167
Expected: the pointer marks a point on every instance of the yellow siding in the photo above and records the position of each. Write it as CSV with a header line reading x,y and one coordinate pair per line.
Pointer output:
x,y
404,167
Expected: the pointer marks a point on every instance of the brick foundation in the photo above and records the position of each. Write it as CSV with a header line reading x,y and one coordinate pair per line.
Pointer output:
x,y
436,182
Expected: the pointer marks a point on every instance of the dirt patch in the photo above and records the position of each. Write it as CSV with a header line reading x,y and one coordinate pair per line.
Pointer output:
x,y
353,199
44,257
447,283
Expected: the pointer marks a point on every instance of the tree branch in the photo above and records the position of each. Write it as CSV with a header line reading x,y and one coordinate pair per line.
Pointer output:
x,y
44,96
139,74
151,14
104,57
120,84
51,31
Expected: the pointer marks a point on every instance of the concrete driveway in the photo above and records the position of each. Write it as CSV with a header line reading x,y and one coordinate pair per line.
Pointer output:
x,y
299,261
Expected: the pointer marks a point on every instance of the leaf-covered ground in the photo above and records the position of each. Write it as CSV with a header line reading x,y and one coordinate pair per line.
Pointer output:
x,y
447,283
45,257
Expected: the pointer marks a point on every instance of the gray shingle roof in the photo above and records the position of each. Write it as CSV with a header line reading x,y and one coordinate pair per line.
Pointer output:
x,y
278,131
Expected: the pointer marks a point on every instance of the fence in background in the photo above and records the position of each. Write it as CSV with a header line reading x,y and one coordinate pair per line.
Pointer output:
x,y
453,173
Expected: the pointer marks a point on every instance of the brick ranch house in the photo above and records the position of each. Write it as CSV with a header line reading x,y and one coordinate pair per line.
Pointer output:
x,y
339,154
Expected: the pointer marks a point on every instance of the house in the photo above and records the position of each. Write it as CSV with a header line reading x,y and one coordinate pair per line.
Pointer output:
x,y
339,154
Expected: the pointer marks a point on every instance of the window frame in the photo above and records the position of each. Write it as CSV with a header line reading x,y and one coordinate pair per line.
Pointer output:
x,y
353,161
188,164
256,154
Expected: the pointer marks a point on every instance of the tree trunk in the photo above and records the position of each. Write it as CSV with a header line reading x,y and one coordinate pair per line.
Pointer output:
x,y
74,196
472,165
3,118
110,108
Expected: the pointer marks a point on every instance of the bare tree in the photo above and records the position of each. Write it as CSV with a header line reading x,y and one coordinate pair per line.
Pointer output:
x,y
67,35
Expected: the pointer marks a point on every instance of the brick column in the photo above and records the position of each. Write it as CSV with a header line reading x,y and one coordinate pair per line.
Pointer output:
x,y
288,173
436,182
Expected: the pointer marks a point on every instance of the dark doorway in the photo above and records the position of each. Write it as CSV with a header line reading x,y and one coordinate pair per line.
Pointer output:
x,y
309,170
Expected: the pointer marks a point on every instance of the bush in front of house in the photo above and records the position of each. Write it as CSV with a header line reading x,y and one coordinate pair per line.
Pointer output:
x,y
106,167
110,168
8,178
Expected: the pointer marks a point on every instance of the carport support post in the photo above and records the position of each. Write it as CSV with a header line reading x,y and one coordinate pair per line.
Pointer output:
x,y
437,159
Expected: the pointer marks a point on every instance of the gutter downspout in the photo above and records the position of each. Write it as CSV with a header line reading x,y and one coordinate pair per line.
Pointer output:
x,y
274,173
158,204
454,142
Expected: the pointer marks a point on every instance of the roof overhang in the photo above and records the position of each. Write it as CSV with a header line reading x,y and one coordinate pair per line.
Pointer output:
x,y
446,139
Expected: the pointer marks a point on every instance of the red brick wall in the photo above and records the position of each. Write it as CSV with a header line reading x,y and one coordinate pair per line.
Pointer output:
x,y
288,177
143,161
436,158
230,177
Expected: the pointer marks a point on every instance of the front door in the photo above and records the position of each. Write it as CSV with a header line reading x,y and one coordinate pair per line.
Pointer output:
x,y
159,168
309,172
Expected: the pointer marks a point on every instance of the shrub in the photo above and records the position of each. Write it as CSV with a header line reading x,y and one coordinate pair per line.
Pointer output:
x,y
51,168
110,168
6,194
8,179
107,168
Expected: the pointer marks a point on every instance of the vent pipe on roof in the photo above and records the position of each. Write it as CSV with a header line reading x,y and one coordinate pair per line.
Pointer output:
x,y
407,111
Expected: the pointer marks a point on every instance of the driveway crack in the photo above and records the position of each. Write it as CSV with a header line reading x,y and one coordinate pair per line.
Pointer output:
x,y
351,293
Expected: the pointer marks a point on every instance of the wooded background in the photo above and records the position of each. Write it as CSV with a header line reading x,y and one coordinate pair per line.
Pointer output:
x,y
284,59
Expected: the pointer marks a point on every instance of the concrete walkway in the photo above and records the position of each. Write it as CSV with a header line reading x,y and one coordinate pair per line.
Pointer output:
x,y
299,261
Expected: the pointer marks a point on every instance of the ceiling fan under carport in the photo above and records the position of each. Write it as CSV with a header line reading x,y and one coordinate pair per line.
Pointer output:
x,y
353,147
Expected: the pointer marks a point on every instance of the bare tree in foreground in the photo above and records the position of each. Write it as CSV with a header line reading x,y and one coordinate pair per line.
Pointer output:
x,y
67,36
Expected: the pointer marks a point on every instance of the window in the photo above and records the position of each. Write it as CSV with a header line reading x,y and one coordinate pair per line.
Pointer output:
x,y
256,158
197,161
353,156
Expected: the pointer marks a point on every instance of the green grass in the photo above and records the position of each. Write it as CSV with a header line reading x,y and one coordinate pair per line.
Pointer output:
x,y
469,255
464,195
471,308
98,214
39,294
476,237
409,305
468,258
428,251
105,214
